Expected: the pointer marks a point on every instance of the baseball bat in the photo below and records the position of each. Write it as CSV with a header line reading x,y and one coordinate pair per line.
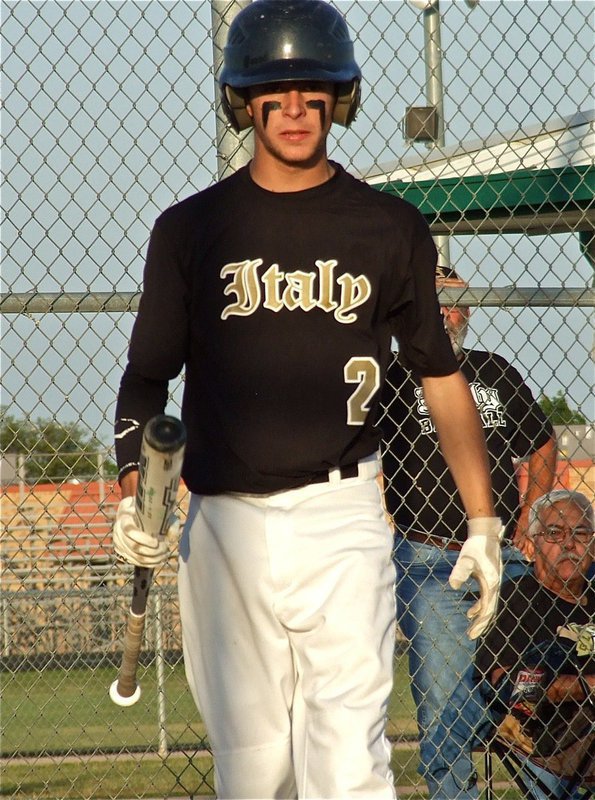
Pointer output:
x,y
160,465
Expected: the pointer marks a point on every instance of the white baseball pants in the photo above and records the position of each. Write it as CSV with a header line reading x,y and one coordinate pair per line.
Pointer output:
x,y
288,619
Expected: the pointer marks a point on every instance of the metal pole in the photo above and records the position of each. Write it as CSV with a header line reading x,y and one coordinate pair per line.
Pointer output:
x,y
435,96
160,672
233,149
127,301
22,476
4,601
101,477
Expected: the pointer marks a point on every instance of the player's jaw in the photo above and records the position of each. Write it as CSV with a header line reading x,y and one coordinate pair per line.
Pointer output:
x,y
292,121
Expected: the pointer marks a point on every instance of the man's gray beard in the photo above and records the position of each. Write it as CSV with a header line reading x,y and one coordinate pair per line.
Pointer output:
x,y
457,339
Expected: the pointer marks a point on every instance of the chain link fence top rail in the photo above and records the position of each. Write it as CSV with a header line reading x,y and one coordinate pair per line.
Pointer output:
x,y
109,116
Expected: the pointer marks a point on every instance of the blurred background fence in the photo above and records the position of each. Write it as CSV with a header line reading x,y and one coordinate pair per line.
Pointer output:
x,y
481,113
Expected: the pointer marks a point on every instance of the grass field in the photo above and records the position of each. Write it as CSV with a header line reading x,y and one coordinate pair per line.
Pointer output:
x,y
60,711
175,776
63,739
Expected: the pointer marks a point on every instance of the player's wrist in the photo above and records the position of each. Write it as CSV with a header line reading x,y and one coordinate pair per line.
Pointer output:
x,y
128,477
491,527
129,482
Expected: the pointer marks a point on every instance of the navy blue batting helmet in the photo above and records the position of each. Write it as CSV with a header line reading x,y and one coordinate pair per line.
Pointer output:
x,y
273,41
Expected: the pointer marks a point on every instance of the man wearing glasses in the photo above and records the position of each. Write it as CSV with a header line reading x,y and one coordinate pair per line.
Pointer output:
x,y
535,668
558,593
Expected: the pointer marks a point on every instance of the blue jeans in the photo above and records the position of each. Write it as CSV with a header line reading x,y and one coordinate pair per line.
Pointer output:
x,y
556,786
433,618
463,725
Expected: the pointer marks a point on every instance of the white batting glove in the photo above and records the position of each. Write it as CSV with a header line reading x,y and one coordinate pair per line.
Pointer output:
x,y
480,558
135,546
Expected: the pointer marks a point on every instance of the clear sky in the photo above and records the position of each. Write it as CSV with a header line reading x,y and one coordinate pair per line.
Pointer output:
x,y
108,119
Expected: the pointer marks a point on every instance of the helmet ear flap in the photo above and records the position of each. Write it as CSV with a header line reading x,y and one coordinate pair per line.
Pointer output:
x,y
347,104
234,106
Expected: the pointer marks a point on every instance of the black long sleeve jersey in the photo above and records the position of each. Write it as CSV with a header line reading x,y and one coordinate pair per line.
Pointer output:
x,y
420,491
280,308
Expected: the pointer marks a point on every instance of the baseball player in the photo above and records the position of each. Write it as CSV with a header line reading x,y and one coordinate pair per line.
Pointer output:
x,y
278,290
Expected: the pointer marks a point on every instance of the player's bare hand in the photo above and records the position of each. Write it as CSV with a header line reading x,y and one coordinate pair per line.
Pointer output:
x,y
481,558
136,547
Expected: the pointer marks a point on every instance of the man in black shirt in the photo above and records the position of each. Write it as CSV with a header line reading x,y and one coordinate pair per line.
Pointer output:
x,y
278,291
429,516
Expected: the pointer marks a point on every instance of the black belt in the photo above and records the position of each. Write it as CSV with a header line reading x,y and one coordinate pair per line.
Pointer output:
x,y
350,471
437,541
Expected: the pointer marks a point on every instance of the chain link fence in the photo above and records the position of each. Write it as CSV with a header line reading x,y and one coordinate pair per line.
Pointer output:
x,y
109,117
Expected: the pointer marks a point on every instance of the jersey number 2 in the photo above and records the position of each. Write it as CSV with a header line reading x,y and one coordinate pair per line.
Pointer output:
x,y
365,372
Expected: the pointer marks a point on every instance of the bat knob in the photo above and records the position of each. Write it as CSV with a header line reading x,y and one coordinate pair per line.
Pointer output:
x,y
119,699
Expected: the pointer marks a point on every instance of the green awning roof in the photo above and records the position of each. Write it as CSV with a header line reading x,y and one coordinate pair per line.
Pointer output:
x,y
523,201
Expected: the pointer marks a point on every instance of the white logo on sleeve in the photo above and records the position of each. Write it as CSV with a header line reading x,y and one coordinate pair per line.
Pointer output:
x,y
127,426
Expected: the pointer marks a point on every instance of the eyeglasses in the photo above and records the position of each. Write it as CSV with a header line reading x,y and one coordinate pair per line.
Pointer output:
x,y
556,534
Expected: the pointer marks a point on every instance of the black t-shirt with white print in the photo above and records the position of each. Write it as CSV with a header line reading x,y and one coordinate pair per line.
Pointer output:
x,y
280,307
420,491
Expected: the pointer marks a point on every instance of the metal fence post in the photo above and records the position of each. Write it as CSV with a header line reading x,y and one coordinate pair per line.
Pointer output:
x,y
233,149
435,96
